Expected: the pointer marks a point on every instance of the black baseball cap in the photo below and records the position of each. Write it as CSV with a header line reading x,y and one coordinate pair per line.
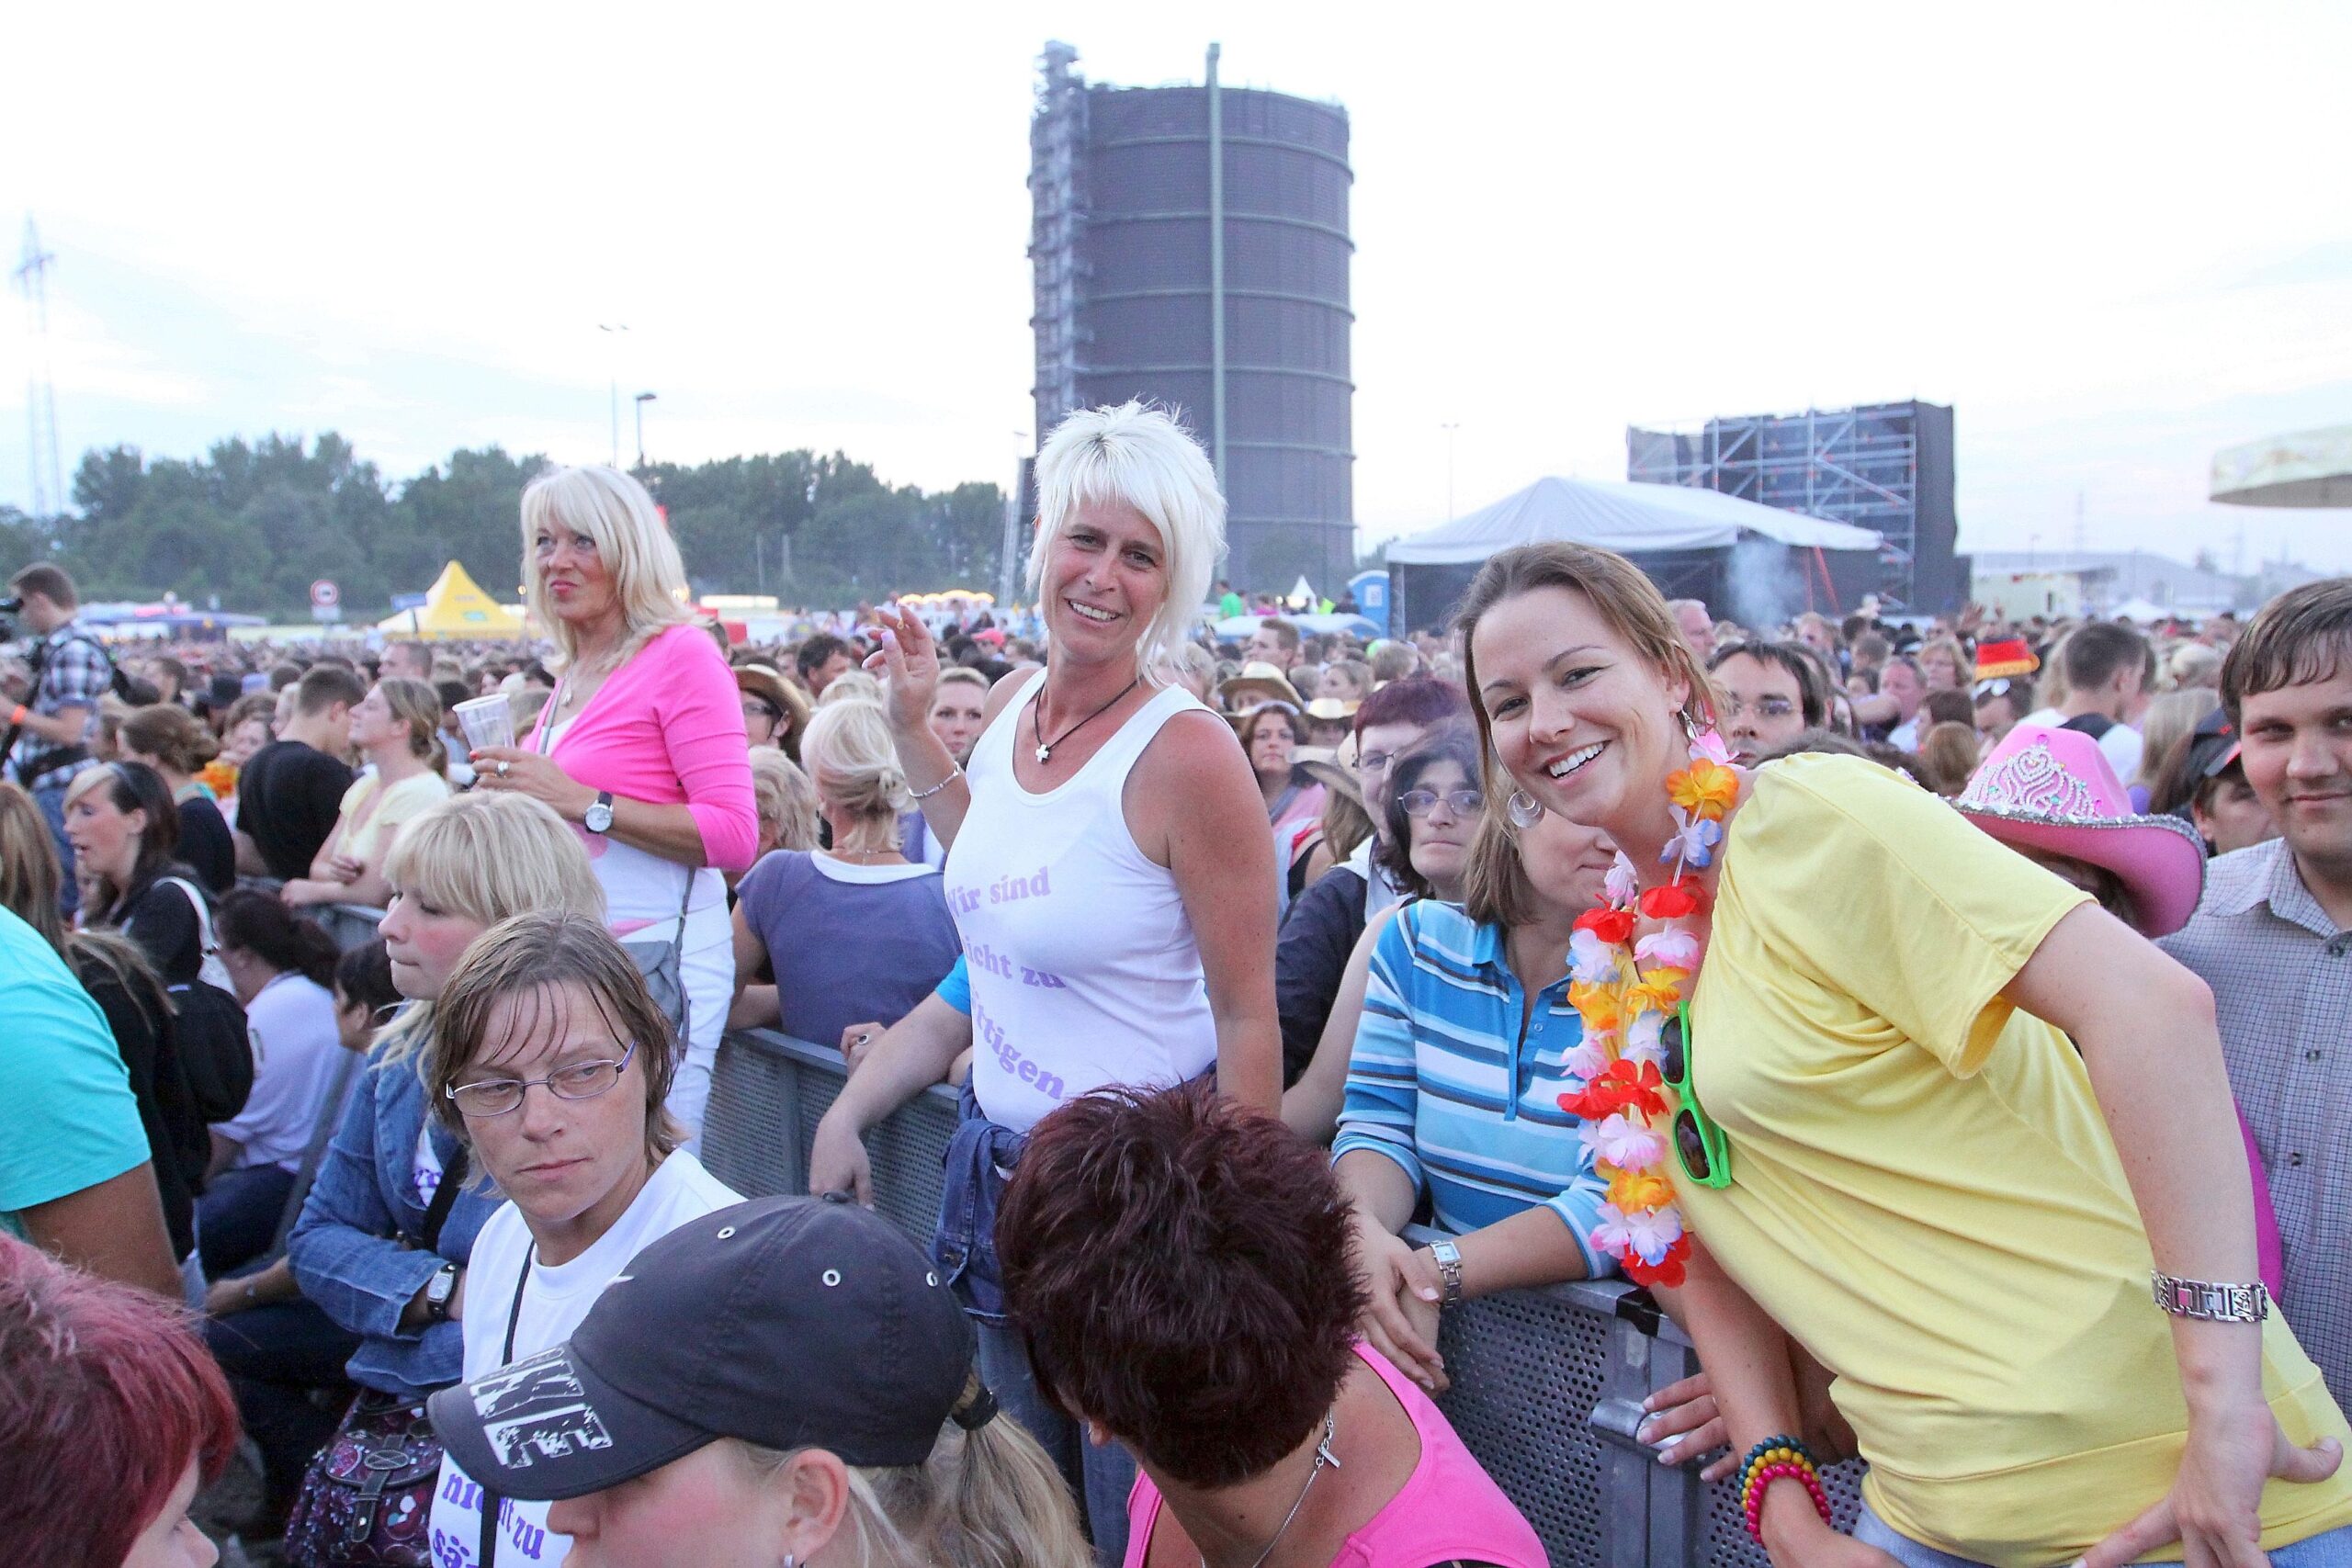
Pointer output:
x,y
786,1322
2214,746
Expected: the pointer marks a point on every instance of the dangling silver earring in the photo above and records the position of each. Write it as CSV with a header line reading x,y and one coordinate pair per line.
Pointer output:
x,y
1690,727
789,1560
1523,809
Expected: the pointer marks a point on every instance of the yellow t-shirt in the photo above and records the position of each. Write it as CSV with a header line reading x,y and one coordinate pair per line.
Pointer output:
x,y
1923,1192
400,804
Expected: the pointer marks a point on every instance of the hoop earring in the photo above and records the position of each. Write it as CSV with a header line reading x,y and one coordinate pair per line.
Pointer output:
x,y
1523,809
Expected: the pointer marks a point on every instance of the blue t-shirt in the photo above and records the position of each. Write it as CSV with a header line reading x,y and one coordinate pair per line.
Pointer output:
x,y
848,943
956,989
71,1121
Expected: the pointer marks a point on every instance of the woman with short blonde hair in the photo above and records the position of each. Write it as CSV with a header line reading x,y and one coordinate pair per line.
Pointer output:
x,y
1111,839
641,746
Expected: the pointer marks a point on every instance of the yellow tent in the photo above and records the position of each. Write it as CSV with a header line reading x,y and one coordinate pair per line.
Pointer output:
x,y
455,608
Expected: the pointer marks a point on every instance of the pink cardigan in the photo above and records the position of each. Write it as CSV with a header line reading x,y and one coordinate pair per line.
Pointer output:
x,y
667,726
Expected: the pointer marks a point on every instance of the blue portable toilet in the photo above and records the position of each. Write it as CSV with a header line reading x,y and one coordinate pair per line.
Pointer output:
x,y
1371,590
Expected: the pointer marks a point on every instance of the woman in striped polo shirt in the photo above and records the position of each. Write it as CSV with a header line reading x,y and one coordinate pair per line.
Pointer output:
x,y
1466,1044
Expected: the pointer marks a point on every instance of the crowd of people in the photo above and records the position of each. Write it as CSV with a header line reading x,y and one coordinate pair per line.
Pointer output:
x,y
365,1005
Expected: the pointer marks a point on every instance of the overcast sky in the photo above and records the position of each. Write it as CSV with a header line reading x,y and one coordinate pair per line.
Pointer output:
x,y
2114,238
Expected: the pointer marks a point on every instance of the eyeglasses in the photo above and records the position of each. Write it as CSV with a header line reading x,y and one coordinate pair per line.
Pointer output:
x,y
754,709
1763,707
1461,802
1999,686
1700,1146
498,1097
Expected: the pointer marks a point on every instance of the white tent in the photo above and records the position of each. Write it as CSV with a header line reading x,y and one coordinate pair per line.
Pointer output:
x,y
1624,516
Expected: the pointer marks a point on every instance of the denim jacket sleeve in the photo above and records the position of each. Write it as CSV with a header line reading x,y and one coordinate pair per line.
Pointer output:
x,y
343,1248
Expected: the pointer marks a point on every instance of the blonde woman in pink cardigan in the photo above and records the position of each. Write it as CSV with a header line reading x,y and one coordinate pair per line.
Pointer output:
x,y
641,747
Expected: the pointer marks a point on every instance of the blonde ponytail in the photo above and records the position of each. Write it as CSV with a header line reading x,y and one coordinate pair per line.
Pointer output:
x,y
987,1498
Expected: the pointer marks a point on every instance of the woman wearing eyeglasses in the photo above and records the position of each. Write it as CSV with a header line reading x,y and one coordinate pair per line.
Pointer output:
x,y
1465,1044
1875,1135
1428,805
381,1249
551,1061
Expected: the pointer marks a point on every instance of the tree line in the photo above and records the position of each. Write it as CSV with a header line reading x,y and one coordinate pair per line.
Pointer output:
x,y
251,526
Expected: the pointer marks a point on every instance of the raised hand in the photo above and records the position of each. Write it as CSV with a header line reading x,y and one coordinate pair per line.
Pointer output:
x,y
908,666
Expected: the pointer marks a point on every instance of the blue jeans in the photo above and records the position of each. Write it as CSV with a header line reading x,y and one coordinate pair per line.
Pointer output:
x,y
1101,1474
236,1218
278,1358
2330,1550
51,797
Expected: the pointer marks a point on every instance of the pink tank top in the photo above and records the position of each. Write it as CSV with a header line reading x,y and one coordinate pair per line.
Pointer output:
x,y
1447,1509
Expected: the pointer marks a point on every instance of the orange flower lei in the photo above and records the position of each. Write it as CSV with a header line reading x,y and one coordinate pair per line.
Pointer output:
x,y
1624,991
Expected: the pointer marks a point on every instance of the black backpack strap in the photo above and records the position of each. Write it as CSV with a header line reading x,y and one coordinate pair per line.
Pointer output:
x,y
2095,725
444,1198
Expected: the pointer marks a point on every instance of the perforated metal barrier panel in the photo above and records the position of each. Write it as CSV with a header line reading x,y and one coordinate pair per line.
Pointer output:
x,y
1537,1374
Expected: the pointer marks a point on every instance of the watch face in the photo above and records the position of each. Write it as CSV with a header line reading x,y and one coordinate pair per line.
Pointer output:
x,y
599,818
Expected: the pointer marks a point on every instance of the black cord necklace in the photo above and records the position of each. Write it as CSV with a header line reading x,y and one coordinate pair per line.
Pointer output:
x,y
1037,719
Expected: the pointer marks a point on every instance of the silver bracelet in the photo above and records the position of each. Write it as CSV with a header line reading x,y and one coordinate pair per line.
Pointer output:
x,y
955,771
2211,1303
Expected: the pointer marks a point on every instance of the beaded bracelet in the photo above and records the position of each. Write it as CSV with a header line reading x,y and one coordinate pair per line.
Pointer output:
x,y
1776,1458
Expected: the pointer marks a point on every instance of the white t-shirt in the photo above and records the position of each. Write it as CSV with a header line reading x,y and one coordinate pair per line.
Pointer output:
x,y
297,1050
2121,743
555,1299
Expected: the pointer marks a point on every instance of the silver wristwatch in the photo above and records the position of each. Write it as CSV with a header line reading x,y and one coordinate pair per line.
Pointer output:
x,y
598,818
437,1292
1448,1257
2213,1303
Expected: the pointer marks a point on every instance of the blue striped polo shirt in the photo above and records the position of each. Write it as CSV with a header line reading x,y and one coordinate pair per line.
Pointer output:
x,y
1442,1082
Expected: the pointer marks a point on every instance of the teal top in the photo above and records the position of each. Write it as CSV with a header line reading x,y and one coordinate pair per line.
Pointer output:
x,y
71,1121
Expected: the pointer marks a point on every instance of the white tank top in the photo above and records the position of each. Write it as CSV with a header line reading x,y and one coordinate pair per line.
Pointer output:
x,y
1084,969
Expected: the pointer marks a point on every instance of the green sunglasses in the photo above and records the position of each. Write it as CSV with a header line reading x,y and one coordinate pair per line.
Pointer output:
x,y
1700,1146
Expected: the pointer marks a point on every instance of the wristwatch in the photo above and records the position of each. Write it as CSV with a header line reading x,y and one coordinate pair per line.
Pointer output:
x,y
1449,1270
598,818
437,1292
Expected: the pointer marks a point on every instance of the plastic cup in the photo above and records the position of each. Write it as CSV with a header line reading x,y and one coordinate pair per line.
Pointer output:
x,y
487,721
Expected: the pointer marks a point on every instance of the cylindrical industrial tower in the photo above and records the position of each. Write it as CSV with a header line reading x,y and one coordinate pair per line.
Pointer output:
x,y
1132,189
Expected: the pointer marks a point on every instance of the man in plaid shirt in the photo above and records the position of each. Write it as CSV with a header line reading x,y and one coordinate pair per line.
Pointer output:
x,y
2273,937
51,726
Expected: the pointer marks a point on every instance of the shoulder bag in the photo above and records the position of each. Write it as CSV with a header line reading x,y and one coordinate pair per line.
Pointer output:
x,y
367,1500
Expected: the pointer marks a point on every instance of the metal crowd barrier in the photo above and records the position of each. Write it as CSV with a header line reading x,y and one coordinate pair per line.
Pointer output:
x,y
1547,1384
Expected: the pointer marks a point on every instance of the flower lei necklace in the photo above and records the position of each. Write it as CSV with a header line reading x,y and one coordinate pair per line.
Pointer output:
x,y
1625,991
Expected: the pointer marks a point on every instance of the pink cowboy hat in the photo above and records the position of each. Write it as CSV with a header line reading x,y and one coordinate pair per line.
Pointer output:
x,y
2054,790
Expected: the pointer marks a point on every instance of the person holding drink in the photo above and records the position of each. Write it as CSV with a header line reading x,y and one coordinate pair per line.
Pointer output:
x,y
640,748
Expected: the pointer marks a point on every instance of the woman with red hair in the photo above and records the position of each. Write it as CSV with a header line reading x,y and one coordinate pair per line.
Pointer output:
x,y
113,1379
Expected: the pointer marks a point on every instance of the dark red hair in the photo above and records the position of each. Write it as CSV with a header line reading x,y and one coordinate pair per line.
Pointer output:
x,y
1182,1269
1418,700
107,1395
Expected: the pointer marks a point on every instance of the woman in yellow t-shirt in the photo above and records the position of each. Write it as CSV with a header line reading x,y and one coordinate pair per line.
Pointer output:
x,y
397,727
1928,1189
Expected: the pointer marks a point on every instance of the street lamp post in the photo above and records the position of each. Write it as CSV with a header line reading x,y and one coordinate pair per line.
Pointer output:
x,y
613,330
642,399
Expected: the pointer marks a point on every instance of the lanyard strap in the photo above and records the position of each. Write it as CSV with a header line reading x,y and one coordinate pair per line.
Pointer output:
x,y
486,1552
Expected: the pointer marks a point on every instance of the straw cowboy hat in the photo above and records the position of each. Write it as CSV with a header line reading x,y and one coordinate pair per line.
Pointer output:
x,y
2054,790
1261,682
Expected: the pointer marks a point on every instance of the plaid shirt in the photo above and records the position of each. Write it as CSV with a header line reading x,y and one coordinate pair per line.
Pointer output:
x,y
74,673
2282,974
